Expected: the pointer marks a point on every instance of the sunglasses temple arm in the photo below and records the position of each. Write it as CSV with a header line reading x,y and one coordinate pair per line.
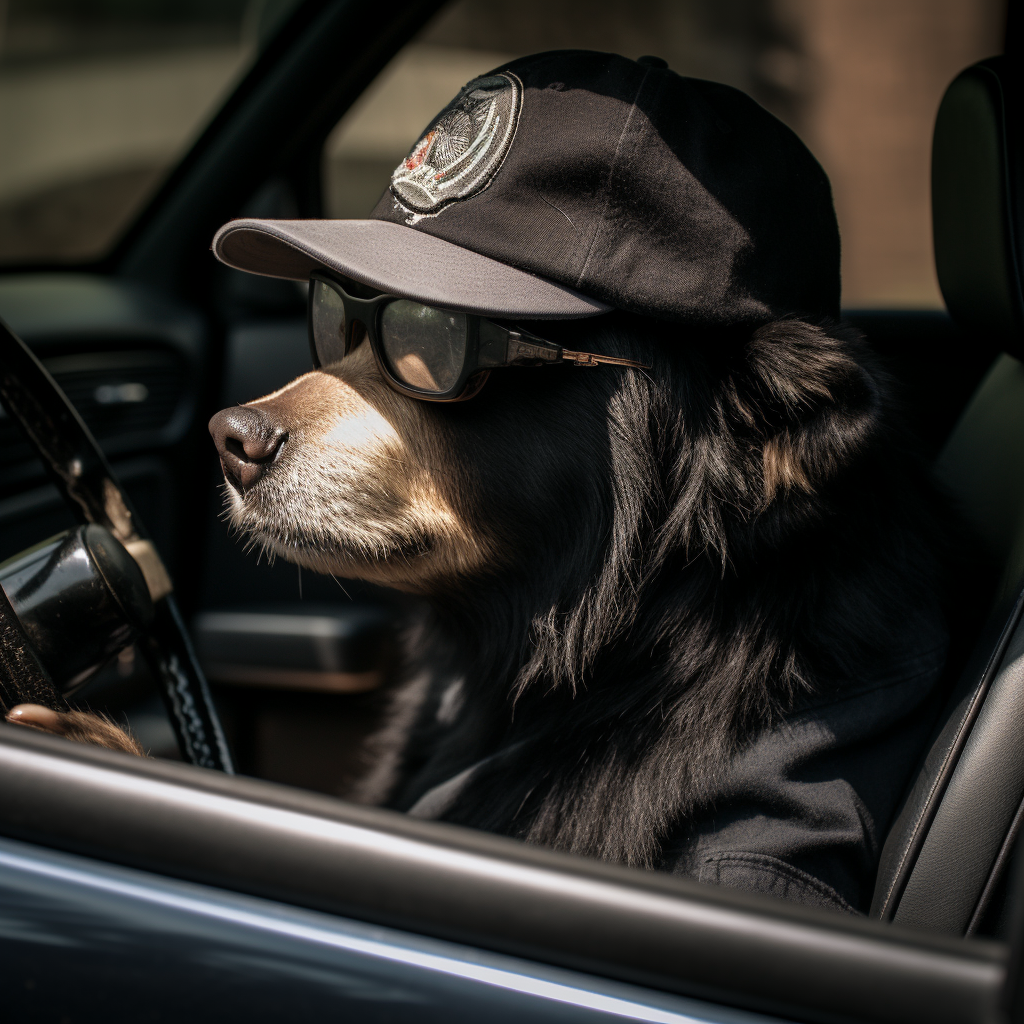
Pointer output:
x,y
591,359
523,347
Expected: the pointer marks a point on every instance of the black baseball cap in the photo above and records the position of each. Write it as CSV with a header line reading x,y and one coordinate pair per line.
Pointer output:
x,y
572,182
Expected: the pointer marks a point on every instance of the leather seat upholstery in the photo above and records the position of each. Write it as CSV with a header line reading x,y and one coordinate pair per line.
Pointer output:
x,y
948,848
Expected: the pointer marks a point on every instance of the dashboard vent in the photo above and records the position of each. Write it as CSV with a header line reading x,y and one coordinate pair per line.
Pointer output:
x,y
127,399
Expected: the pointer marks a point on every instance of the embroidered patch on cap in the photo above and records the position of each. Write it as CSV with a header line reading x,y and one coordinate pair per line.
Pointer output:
x,y
462,148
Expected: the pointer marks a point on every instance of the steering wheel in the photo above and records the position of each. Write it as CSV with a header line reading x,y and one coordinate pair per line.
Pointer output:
x,y
85,480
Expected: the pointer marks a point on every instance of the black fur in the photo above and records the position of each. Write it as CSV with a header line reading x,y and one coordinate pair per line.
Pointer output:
x,y
690,553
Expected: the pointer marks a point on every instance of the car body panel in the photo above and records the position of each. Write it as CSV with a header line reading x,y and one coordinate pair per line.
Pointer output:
x,y
121,940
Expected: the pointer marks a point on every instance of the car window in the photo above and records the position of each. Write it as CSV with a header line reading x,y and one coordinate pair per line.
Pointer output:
x,y
98,100
860,84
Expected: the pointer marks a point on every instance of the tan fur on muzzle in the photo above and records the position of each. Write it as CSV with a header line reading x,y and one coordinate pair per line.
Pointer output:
x,y
361,487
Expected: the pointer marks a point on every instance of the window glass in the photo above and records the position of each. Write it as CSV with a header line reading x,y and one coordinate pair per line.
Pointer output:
x,y
859,80
98,99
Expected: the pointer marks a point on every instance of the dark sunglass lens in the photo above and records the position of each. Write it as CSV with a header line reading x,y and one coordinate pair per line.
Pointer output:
x,y
328,319
425,347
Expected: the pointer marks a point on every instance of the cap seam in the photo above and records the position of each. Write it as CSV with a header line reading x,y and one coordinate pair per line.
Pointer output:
x,y
603,219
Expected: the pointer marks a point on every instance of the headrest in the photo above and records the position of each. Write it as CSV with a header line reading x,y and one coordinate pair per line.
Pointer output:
x,y
977,197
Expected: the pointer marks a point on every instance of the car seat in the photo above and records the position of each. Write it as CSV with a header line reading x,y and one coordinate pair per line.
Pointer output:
x,y
944,862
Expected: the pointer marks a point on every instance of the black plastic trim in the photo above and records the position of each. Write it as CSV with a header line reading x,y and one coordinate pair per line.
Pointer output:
x,y
664,932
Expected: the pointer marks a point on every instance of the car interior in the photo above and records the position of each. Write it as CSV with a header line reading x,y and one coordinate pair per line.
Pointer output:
x,y
148,336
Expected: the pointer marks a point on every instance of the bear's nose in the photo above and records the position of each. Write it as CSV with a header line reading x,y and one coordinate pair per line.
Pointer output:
x,y
247,441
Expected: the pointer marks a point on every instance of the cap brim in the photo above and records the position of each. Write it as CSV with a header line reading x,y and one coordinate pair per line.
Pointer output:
x,y
400,260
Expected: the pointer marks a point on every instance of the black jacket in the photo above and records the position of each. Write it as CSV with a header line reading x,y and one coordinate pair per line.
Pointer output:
x,y
803,810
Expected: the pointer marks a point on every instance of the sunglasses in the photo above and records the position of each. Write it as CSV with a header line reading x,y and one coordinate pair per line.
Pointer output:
x,y
425,352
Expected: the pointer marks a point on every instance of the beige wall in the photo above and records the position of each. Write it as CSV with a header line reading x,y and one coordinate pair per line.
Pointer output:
x,y
877,70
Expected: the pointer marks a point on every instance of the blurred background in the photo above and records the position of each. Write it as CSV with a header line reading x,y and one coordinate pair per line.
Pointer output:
x,y
99,98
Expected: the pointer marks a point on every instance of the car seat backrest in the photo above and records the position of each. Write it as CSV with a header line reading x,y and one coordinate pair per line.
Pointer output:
x,y
949,845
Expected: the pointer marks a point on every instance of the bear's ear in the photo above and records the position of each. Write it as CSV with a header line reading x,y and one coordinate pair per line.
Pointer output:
x,y
808,401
